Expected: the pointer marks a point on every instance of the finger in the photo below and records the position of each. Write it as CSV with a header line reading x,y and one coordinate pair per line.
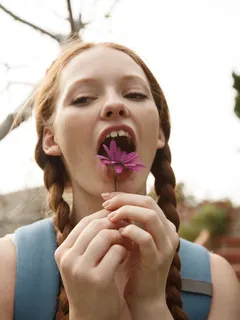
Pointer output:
x,y
147,247
100,245
74,234
146,217
109,195
112,259
91,231
143,201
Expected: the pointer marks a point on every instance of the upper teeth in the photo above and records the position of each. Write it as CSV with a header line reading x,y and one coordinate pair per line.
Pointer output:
x,y
119,133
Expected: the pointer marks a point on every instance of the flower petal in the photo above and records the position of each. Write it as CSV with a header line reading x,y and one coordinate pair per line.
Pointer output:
x,y
113,150
132,156
101,157
108,151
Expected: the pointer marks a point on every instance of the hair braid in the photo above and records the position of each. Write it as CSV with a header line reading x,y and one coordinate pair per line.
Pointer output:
x,y
164,188
54,180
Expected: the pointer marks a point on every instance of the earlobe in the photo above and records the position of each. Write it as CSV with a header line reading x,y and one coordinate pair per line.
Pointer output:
x,y
161,140
49,145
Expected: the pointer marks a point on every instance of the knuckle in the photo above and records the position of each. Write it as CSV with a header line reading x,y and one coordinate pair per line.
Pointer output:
x,y
106,235
151,217
77,271
149,202
176,240
118,249
147,238
65,262
58,254
172,226
97,280
98,223
86,220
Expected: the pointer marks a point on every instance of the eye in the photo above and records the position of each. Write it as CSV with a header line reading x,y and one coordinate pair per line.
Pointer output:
x,y
83,100
135,96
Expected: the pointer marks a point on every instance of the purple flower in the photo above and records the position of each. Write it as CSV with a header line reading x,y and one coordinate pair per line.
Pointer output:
x,y
119,159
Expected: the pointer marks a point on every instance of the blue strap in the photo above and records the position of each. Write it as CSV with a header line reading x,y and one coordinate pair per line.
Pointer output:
x,y
37,282
37,275
195,261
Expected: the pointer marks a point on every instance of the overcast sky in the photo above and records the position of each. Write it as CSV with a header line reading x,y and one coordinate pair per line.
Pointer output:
x,y
191,46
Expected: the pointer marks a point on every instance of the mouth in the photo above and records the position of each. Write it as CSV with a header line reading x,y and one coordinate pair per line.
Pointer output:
x,y
124,138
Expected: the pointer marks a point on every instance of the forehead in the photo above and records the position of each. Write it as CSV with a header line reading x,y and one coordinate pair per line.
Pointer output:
x,y
100,62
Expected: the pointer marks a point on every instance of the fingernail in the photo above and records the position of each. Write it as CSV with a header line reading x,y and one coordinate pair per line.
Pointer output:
x,y
111,215
106,204
121,230
106,195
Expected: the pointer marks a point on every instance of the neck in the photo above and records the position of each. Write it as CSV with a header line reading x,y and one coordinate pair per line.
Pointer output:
x,y
85,204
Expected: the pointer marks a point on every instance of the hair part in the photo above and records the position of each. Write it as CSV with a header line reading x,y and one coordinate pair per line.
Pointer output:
x,y
56,177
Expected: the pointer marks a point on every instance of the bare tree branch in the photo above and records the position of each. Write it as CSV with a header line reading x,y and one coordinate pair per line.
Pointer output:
x,y
70,16
13,120
79,24
17,18
6,125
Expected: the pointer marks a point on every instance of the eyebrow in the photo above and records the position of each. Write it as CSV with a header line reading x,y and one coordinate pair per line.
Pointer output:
x,y
94,81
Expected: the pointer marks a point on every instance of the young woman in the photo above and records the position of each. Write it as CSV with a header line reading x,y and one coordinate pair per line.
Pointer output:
x,y
117,253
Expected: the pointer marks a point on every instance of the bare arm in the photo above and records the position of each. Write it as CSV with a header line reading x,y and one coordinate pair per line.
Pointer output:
x,y
226,290
7,278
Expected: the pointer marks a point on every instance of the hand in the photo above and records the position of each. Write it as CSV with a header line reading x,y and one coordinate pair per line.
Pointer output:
x,y
155,238
87,261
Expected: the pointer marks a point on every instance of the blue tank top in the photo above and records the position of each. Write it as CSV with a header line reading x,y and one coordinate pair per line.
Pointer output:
x,y
38,277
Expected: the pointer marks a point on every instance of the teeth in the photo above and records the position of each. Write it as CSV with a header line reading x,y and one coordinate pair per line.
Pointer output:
x,y
120,133
114,134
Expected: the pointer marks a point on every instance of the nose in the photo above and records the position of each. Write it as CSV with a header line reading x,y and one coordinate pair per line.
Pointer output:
x,y
113,109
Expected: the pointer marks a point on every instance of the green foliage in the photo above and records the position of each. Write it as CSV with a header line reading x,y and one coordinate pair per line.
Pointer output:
x,y
188,231
211,217
179,191
237,105
236,85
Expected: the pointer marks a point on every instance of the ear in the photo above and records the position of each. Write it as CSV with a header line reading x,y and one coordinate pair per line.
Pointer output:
x,y
161,139
49,145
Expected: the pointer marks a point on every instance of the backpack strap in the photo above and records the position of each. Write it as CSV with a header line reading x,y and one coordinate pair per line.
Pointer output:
x,y
37,275
197,289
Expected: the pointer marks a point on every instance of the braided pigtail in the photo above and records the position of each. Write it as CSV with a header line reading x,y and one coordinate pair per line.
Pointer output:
x,y
164,188
55,180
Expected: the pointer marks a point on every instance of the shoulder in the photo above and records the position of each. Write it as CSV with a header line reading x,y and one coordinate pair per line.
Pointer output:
x,y
226,290
7,277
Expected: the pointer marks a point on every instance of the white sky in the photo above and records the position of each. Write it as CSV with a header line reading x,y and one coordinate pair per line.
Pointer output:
x,y
191,46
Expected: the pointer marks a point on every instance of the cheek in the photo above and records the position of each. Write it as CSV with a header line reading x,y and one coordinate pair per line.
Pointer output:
x,y
73,132
150,123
